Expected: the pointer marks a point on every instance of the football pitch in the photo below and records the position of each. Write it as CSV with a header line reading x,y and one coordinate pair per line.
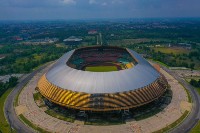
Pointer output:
x,y
101,68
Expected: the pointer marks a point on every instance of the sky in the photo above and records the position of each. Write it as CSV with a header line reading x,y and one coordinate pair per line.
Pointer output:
x,y
97,9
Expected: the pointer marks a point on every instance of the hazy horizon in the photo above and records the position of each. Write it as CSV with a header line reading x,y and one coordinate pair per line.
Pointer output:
x,y
97,9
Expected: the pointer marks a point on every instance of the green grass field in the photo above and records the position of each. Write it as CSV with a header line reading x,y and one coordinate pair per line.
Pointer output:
x,y
196,129
169,50
101,68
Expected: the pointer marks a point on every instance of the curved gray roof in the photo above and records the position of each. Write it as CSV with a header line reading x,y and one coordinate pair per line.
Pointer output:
x,y
69,78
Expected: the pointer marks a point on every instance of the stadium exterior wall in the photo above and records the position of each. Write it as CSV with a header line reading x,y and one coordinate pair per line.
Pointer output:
x,y
102,102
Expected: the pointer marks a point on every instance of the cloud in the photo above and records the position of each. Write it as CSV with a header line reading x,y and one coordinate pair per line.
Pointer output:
x,y
116,1
81,9
104,4
92,1
68,2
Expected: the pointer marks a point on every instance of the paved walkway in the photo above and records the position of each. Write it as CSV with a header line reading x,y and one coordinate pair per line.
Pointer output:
x,y
170,114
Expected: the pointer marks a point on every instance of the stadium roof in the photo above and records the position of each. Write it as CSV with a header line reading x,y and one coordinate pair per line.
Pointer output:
x,y
134,78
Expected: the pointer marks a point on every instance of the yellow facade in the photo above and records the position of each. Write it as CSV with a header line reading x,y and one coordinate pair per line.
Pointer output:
x,y
102,102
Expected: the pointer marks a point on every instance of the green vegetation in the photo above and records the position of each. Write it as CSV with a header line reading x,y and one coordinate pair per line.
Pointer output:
x,y
169,50
24,58
101,68
16,99
60,116
195,83
188,93
189,96
37,96
4,126
198,90
10,84
170,56
196,129
188,79
26,121
128,41
5,89
174,124
161,63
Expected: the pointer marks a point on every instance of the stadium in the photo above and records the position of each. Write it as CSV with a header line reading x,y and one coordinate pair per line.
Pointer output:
x,y
102,78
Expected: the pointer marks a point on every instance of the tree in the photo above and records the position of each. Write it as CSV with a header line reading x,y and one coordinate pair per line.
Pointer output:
x,y
12,81
193,82
192,65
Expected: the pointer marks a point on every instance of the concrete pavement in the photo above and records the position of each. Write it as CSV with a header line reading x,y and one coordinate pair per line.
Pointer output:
x,y
9,110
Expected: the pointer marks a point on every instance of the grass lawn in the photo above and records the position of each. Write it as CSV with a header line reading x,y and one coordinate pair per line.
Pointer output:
x,y
196,129
198,90
128,41
161,63
174,124
4,126
169,50
101,68
37,96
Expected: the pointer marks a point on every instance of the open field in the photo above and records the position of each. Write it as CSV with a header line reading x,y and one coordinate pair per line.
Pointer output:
x,y
61,45
101,68
128,41
169,50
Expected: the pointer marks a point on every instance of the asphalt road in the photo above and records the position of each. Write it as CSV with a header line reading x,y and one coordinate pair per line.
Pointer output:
x,y
9,111
194,116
